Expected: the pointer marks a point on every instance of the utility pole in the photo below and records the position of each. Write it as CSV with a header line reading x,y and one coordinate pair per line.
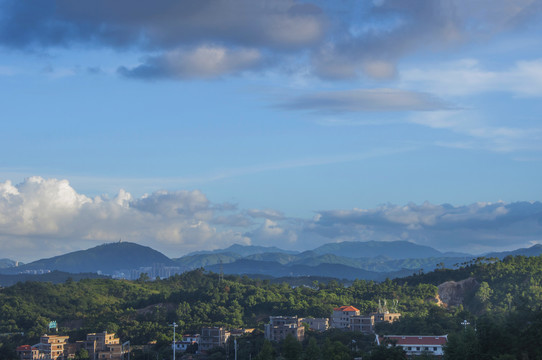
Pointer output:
x,y
235,346
174,326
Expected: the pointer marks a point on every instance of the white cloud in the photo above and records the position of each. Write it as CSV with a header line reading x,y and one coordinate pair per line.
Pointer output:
x,y
480,134
344,39
202,62
476,228
466,77
266,214
45,217
275,233
38,209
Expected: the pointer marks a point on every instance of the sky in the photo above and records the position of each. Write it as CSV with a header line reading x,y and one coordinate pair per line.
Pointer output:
x,y
191,125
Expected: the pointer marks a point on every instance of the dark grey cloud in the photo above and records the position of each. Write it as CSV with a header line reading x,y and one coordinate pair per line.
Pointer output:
x,y
375,37
342,39
172,204
477,227
366,100
187,39
162,24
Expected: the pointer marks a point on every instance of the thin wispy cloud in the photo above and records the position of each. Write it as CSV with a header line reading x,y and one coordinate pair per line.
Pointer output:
x,y
467,77
359,100
480,134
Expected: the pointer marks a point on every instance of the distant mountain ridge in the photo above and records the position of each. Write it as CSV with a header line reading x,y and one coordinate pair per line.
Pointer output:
x,y
347,260
534,250
370,249
244,250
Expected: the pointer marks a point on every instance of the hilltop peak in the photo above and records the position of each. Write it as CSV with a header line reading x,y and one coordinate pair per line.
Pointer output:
x,y
106,258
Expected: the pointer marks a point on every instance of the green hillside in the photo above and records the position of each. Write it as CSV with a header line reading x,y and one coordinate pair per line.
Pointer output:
x,y
106,258
140,311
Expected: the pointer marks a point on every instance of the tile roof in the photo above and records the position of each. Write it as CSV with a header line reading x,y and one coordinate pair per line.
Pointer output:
x,y
346,308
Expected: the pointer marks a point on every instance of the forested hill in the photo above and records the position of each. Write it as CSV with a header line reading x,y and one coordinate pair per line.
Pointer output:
x,y
106,258
140,311
369,249
514,282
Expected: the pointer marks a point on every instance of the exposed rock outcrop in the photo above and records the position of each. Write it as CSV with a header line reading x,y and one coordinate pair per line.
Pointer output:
x,y
452,293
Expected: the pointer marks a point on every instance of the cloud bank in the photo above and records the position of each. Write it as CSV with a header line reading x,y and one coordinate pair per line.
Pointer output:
x,y
50,214
45,217
474,228
336,40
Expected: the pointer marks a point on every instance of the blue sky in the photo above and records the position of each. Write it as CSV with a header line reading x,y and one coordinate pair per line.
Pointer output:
x,y
255,121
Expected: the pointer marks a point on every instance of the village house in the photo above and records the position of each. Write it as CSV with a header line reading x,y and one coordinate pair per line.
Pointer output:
x,y
213,337
340,319
316,324
56,347
415,345
366,323
103,345
52,346
280,326
186,341
27,352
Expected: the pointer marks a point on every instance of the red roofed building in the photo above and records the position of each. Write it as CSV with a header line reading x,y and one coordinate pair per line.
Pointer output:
x,y
341,316
27,352
416,344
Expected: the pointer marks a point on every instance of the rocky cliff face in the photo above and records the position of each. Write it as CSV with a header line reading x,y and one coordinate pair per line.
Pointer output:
x,y
452,293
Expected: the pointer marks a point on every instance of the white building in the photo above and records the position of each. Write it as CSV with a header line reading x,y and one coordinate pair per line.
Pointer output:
x,y
416,344
186,342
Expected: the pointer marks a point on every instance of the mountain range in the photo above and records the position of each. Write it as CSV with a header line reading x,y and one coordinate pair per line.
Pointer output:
x,y
369,260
